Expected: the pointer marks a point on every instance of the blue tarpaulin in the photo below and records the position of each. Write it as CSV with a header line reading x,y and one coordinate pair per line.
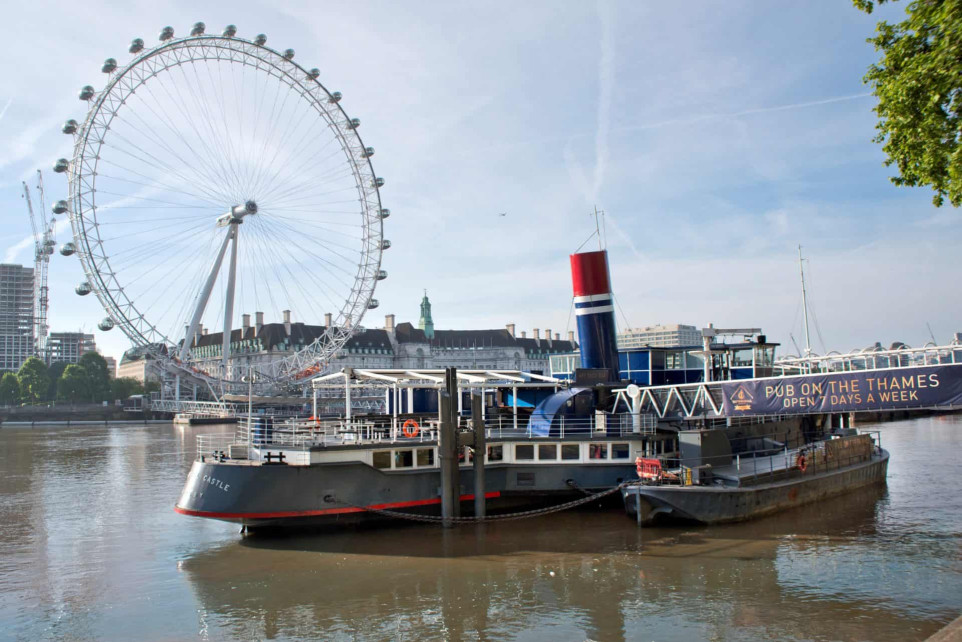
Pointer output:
x,y
550,409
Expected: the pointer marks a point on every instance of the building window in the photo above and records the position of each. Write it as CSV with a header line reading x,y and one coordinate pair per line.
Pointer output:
x,y
496,453
524,451
570,451
547,452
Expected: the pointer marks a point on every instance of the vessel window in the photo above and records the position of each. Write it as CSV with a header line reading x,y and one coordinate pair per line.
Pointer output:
x,y
674,360
547,451
570,451
598,451
496,453
619,451
742,358
382,458
425,457
524,451
403,458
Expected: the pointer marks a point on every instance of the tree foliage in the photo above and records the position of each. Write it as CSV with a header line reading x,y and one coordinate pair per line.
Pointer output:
x,y
918,83
123,387
9,389
34,380
98,376
74,384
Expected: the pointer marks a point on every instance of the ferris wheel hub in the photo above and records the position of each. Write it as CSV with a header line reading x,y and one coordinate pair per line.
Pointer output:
x,y
236,214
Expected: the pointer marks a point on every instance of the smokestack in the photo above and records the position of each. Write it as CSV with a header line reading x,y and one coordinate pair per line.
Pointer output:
x,y
595,312
245,322
510,328
287,321
557,336
547,335
524,334
203,332
258,322
327,319
389,323
537,334
571,336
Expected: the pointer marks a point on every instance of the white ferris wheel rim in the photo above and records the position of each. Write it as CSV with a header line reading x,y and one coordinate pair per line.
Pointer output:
x,y
82,174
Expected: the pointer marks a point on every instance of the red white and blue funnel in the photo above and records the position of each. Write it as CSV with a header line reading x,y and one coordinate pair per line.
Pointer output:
x,y
594,308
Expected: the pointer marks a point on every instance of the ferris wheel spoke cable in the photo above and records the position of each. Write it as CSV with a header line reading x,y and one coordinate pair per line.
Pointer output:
x,y
325,264
202,167
292,158
186,172
273,231
314,160
325,226
156,184
305,189
324,243
218,140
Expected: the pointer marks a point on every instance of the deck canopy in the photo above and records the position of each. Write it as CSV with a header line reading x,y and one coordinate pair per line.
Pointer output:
x,y
433,378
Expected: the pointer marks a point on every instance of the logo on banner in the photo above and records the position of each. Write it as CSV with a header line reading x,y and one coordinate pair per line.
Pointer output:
x,y
742,399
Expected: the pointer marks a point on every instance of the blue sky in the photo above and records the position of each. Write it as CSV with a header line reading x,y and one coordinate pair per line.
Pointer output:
x,y
716,137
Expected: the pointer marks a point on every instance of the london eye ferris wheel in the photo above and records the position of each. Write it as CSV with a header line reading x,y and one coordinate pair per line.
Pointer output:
x,y
214,177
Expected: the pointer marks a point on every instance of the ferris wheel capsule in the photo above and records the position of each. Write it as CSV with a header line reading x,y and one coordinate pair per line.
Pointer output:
x,y
136,45
335,97
83,289
68,249
354,123
198,29
381,275
69,127
385,244
61,166
109,66
372,304
368,152
314,73
166,34
86,92
289,54
378,182
106,325
260,39
59,207
384,213
230,31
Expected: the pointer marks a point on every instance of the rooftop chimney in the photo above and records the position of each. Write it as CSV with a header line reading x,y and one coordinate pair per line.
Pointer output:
x,y
571,336
389,323
537,334
287,321
510,328
203,331
547,335
557,336
524,334
245,322
327,319
258,322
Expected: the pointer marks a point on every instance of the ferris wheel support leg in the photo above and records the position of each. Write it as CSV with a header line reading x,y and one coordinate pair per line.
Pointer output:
x,y
229,306
204,296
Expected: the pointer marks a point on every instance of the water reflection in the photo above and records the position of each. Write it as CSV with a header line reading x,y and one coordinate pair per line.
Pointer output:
x,y
91,548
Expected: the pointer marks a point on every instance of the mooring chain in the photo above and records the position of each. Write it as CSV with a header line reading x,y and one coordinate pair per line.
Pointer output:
x,y
433,519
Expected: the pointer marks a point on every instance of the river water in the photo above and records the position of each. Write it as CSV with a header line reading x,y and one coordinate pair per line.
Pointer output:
x,y
90,548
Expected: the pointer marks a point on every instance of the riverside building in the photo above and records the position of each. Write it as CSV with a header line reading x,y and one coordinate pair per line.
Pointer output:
x,y
17,340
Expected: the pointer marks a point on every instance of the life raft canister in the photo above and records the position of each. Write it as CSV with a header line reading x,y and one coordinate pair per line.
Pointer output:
x,y
649,469
801,463
410,423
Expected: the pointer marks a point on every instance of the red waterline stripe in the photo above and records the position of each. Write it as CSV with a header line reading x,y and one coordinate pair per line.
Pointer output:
x,y
326,511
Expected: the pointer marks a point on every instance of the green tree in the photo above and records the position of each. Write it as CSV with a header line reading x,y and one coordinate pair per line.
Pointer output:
x,y
34,380
918,83
123,387
98,377
54,371
73,384
9,389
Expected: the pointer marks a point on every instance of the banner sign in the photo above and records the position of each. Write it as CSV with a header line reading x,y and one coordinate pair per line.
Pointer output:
x,y
894,389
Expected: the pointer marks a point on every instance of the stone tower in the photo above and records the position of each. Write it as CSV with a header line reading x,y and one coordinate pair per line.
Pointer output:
x,y
426,323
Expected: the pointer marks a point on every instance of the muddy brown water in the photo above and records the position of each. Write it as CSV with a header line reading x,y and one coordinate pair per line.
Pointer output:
x,y
90,548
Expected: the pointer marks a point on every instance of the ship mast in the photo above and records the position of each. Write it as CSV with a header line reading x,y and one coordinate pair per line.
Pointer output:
x,y
801,271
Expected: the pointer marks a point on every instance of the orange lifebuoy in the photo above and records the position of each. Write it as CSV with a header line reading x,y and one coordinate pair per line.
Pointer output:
x,y
410,433
801,463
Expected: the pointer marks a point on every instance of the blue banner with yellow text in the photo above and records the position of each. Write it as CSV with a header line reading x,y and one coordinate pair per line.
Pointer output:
x,y
893,389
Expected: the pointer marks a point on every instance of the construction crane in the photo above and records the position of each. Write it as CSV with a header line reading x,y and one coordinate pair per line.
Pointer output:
x,y
44,241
